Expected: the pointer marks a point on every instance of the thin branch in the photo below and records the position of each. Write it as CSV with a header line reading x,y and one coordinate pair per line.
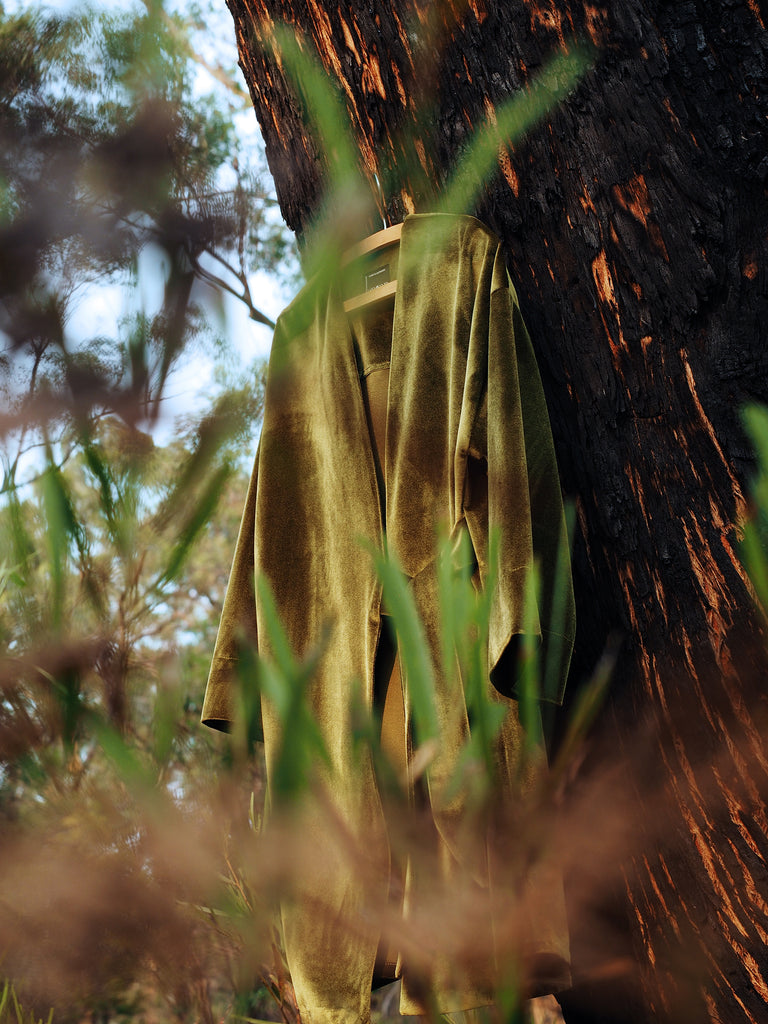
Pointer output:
x,y
218,282
227,266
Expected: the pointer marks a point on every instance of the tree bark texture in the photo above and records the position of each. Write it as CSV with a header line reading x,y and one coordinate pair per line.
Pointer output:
x,y
636,224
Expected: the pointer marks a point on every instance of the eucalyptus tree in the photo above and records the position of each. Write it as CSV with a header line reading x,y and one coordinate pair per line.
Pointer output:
x,y
636,227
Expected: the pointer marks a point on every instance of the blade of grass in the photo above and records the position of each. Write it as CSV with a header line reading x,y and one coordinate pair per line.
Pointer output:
x,y
511,121
349,199
590,701
556,626
285,682
130,768
419,683
197,520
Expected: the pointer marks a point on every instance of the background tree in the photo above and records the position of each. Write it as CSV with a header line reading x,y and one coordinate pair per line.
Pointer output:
x,y
112,152
635,220
121,175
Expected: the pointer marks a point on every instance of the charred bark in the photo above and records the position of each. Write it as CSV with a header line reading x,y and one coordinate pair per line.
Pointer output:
x,y
636,224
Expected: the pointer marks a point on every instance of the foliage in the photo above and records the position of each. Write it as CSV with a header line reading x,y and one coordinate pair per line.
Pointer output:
x,y
100,555
110,153
118,176
114,169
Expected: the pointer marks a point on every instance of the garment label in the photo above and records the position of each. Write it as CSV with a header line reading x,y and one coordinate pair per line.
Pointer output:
x,y
376,277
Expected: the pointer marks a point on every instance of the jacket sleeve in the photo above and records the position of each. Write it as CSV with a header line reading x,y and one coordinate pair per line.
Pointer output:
x,y
520,509
237,627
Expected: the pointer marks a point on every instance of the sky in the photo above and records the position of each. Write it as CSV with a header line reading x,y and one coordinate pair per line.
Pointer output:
x,y
99,309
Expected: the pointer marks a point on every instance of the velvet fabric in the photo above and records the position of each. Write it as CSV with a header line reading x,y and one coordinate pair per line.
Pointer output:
x,y
468,447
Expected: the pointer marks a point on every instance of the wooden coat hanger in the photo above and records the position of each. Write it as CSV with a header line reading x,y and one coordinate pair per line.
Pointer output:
x,y
373,294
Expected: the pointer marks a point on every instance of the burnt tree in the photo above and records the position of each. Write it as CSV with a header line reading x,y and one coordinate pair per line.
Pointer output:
x,y
636,223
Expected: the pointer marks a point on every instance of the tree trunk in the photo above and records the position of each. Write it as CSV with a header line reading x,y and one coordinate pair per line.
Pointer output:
x,y
636,225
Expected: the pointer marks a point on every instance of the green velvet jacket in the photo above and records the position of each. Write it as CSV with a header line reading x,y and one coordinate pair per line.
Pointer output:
x,y
465,406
